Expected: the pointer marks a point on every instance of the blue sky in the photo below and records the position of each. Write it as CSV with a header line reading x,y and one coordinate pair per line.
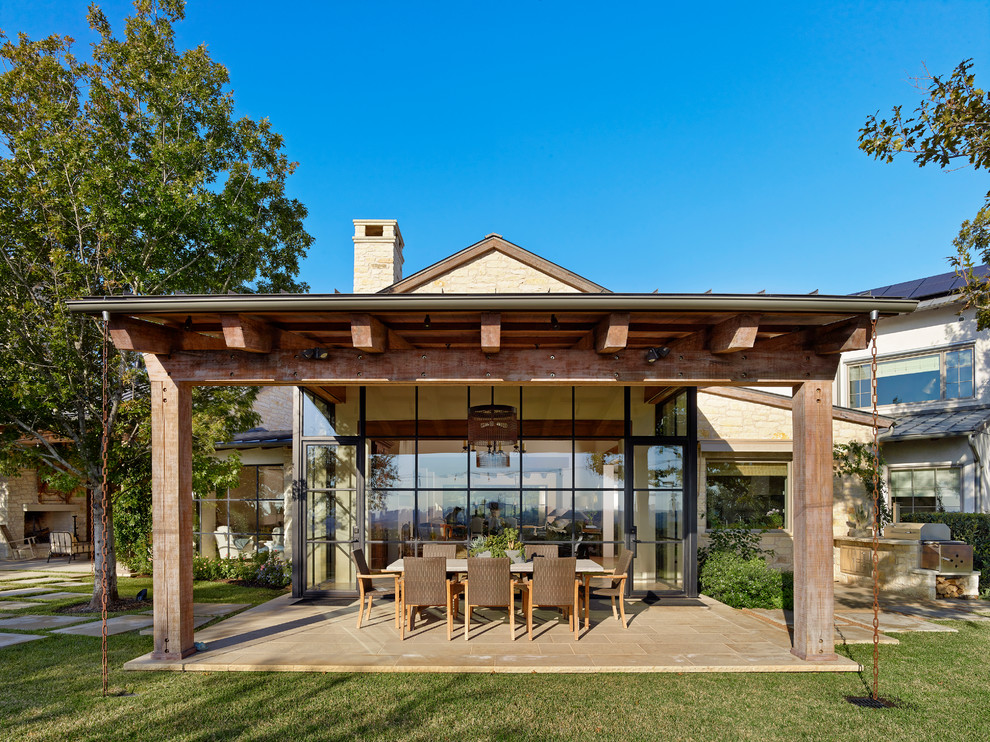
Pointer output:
x,y
672,146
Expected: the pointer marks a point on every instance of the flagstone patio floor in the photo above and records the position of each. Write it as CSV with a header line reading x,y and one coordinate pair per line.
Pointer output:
x,y
675,635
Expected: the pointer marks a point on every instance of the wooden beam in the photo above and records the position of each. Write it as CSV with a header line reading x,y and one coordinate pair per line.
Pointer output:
x,y
139,335
509,366
788,341
242,332
787,403
172,531
694,341
397,342
657,394
331,394
814,637
612,333
841,337
491,332
734,334
368,334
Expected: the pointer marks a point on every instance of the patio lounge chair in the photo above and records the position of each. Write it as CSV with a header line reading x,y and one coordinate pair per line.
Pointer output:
x,y
489,584
17,547
424,583
554,584
63,543
367,587
617,587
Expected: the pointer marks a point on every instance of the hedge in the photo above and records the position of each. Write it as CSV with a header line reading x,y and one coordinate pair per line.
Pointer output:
x,y
973,528
746,583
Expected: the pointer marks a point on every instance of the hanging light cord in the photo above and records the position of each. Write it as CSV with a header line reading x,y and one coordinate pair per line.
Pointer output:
x,y
874,316
104,453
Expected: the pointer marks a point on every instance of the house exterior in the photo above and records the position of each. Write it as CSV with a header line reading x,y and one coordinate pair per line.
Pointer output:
x,y
423,410
934,381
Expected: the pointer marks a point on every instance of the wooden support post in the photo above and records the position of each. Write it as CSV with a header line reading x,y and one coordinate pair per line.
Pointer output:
x,y
171,505
814,637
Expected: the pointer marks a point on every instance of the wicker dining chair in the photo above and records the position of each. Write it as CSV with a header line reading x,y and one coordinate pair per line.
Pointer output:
x,y
489,584
551,551
447,551
368,589
617,587
424,584
554,584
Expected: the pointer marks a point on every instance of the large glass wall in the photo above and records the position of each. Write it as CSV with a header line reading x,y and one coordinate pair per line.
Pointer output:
x,y
562,479
245,519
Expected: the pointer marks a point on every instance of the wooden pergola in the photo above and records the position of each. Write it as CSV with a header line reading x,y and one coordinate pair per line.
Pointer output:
x,y
325,342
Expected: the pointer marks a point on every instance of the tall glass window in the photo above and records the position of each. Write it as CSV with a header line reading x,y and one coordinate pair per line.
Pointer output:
x,y
746,493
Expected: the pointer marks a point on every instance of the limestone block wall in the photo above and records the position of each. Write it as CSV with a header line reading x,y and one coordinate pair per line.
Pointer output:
x,y
766,432
274,404
494,273
15,492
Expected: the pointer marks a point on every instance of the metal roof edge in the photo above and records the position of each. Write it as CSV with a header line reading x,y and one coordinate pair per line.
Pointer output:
x,y
187,304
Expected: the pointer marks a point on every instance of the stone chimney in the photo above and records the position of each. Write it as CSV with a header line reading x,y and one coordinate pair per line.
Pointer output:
x,y
377,254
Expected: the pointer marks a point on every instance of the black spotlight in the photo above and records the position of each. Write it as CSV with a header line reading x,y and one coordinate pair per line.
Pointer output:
x,y
426,322
316,354
655,354
554,324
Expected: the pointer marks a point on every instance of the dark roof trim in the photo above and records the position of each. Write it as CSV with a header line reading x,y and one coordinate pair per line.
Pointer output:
x,y
496,243
188,304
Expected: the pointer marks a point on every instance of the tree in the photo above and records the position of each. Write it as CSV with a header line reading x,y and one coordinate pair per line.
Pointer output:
x,y
127,172
950,126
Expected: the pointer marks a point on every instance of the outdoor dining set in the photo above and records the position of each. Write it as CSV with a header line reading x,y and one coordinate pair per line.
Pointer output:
x,y
438,579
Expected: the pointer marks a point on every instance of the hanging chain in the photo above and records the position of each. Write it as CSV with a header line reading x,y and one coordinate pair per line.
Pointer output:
x,y
874,317
105,456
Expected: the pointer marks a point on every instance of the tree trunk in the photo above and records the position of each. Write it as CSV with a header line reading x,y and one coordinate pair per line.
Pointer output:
x,y
109,560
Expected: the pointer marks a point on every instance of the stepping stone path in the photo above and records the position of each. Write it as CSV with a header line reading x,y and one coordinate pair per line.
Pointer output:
x,y
16,605
937,612
59,596
22,591
7,640
891,623
36,623
117,625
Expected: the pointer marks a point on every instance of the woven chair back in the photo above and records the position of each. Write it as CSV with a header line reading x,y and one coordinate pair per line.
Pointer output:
x,y
550,551
489,581
553,581
447,551
622,565
425,580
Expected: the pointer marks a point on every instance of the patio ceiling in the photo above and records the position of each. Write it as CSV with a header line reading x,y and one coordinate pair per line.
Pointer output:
x,y
500,338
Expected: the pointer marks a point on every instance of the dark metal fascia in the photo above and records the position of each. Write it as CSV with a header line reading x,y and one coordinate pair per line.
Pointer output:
x,y
252,303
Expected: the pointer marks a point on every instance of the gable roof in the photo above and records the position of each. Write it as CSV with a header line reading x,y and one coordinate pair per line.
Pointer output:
x,y
494,243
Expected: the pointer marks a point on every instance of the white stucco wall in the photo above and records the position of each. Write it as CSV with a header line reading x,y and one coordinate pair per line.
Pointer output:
x,y
936,325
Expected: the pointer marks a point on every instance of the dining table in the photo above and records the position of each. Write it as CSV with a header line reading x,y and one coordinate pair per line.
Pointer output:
x,y
584,568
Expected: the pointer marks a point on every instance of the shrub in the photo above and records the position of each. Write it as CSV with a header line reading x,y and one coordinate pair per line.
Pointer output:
x,y
745,583
973,528
741,539
266,569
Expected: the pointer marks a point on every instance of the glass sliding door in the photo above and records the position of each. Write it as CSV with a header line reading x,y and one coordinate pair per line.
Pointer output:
x,y
657,515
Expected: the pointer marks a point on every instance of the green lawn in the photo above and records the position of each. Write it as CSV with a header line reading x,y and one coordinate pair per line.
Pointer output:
x,y
50,689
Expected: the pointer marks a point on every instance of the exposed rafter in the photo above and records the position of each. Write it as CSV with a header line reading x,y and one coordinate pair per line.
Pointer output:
x,y
612,333
491,332
734,334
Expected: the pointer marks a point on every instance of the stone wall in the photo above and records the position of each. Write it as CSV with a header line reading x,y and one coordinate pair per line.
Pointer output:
x,y
494,273
15,492
274,404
